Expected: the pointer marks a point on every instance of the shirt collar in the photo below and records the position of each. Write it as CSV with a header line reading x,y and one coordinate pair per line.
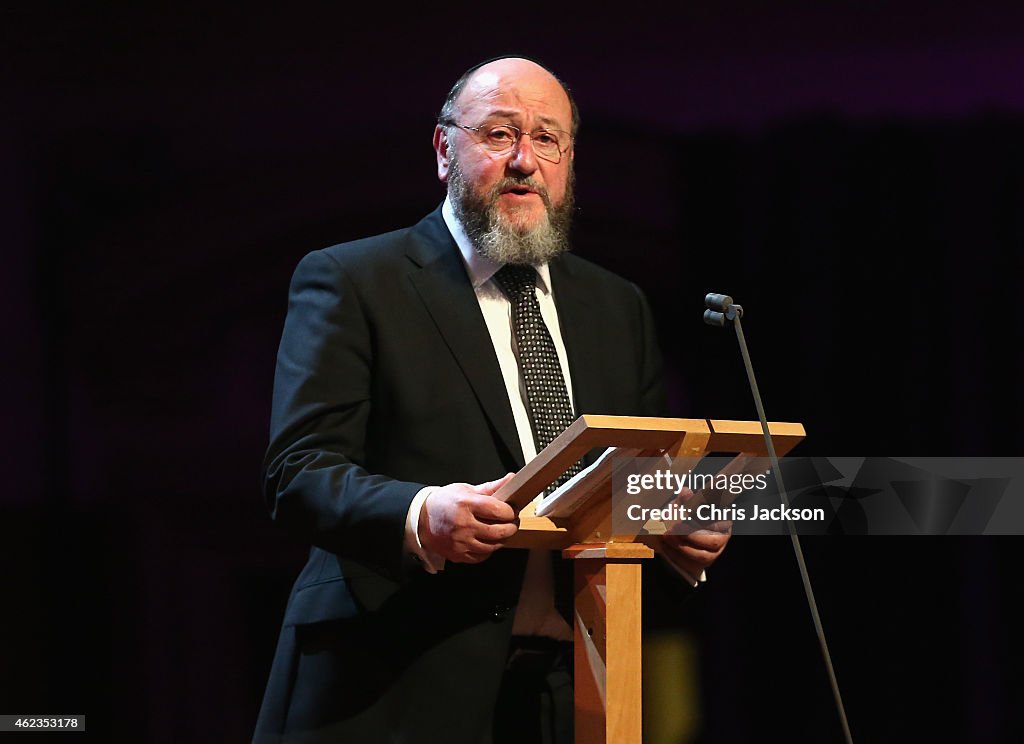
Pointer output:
x,y
480,268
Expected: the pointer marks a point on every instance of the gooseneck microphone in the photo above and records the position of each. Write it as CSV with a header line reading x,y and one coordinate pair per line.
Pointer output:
x,y
721,310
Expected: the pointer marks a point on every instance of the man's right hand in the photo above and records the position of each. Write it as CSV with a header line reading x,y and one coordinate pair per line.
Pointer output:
x,y
465,523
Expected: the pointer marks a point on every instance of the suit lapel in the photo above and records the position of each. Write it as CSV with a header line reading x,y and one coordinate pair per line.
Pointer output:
x,y
581,336
445,290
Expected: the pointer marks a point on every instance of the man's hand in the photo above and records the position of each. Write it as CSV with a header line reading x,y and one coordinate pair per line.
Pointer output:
x,y
696,545
465,523
695,551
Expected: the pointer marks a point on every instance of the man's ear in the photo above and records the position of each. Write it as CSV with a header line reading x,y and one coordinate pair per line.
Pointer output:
x,y
441,150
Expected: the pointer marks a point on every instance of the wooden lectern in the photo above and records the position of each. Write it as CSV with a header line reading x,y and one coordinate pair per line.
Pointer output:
x,y
607,635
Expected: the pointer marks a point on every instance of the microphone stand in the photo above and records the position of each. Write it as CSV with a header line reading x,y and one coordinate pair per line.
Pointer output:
x,y
721,309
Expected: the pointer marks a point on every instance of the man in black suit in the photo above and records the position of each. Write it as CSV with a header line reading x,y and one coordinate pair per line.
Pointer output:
x,y
400,407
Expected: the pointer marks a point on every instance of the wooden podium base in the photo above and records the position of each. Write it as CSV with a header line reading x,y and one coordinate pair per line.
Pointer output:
x,y
607,641
607,569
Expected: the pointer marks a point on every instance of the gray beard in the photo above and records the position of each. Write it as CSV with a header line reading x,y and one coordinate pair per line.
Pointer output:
x,y
491,233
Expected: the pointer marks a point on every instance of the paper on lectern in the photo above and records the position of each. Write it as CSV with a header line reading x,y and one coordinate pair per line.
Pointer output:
x,y
578,490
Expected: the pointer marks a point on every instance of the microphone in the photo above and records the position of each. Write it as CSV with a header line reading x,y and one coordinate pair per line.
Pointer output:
x,y
721,310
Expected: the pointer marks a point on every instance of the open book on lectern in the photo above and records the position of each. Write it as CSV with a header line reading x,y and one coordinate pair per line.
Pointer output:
x,y
575,492
597,478
616,464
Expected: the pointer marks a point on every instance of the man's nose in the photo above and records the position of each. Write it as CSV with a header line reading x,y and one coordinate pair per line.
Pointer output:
x,y
523,159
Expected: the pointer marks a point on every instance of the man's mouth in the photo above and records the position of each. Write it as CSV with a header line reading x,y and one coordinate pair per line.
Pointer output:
x,y
518,190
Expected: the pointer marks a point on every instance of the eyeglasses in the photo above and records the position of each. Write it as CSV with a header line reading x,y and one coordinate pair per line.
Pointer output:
x,y
549,144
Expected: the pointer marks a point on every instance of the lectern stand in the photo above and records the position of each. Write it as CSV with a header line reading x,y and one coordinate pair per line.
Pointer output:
x,y
607,632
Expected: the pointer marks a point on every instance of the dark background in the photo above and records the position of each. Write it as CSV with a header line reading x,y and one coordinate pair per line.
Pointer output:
x,y
852,173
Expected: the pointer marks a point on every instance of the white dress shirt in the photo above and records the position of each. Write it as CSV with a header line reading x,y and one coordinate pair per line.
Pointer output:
x,y
535,613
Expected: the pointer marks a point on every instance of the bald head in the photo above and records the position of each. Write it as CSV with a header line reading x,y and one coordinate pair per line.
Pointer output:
x,y
525,77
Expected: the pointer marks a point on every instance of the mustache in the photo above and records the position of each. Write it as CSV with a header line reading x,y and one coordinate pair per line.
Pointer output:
x,y
510,182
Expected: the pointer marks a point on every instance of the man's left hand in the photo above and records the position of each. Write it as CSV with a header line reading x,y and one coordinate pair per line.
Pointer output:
x,y
696,550
695,545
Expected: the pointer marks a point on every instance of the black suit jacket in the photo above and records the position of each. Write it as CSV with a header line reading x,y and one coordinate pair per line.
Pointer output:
x,y
387,381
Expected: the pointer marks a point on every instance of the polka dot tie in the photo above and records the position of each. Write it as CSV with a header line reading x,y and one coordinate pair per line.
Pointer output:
x,y
546,394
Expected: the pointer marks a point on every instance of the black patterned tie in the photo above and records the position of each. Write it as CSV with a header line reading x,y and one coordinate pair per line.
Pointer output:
x,y
546,394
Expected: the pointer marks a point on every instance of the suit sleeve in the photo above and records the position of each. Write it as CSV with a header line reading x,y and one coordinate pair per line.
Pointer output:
x,y
314,482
